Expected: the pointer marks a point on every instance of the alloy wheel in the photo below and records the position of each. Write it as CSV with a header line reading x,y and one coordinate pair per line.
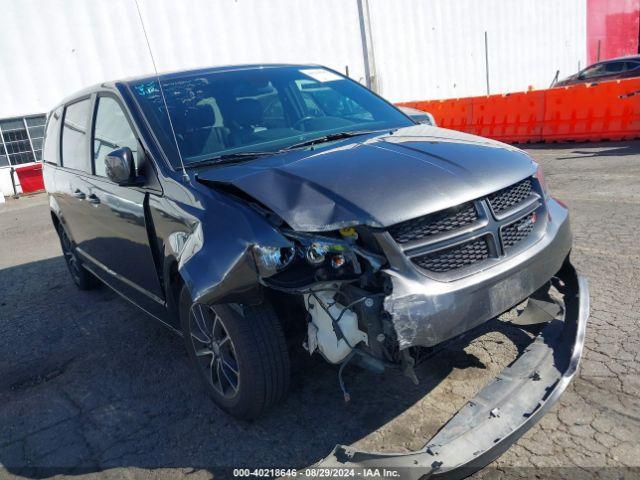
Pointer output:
x,y
214,350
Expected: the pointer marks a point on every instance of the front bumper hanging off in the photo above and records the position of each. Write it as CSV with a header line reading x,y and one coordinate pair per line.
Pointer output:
x,y
503,410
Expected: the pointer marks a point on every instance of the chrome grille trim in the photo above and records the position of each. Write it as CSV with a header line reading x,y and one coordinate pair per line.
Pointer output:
x,y
435,255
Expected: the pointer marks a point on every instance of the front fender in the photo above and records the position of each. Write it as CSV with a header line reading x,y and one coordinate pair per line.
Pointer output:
x,y
214,254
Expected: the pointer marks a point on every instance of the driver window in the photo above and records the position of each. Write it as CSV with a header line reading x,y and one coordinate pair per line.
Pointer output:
x,y
111,131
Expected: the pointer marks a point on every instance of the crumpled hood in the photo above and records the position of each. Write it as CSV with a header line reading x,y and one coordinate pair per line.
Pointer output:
x,y
376,180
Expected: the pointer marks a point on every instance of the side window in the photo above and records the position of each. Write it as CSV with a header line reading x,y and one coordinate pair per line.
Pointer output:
x,y
614,67
111,131
74,135
593,71
631,65
52,138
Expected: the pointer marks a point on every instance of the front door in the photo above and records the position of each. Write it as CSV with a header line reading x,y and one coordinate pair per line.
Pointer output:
x,y
116,236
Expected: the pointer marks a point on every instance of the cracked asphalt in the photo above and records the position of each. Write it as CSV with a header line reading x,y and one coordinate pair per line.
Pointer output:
x,y
91,388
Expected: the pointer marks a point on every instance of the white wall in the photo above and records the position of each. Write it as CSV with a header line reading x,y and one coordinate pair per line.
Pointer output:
x,y
424,49
5,182
52,48
432,49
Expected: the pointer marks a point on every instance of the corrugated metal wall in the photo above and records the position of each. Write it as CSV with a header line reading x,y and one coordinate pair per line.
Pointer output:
x,y
424,49
435,49
51,48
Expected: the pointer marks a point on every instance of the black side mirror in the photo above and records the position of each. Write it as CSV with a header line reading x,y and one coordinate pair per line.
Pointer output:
x,y
120,167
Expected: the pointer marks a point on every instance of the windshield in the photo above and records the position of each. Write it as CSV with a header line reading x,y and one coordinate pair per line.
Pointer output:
x,y
265,109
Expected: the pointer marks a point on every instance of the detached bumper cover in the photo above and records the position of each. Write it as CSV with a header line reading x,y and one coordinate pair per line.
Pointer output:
x,y
503,410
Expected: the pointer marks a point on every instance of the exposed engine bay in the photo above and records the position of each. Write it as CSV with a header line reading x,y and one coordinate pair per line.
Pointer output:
x,y
343,289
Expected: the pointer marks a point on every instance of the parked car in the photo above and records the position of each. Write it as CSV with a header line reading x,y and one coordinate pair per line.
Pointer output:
x,y
616,68
418,116
255,209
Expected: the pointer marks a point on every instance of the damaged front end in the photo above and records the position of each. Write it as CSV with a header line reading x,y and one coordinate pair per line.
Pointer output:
x,y
368,298
379,295
342,288
504,409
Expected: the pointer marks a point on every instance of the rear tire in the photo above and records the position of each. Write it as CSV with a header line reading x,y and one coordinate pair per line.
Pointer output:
x,y
239,352
83,279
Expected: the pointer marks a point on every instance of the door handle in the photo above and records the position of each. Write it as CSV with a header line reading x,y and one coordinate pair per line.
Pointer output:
x,y
78,194
93,199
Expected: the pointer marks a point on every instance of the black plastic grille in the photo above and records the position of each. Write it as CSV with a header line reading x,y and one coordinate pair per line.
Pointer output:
x,y
509,197
455,257
439,222
515,232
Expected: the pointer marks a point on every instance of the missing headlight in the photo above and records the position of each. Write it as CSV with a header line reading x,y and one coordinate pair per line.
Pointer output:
x,y
270,260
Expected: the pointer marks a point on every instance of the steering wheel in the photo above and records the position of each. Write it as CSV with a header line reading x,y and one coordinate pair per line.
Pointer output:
x,y
301,121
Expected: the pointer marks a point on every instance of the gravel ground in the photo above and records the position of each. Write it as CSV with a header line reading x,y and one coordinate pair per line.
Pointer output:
x,y
90,387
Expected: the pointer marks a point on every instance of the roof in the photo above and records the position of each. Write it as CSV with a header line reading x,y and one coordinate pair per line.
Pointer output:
x,y
207,70
617,59
176,74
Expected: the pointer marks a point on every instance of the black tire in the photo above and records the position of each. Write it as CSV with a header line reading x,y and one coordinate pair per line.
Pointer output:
x,y
245,368
83,279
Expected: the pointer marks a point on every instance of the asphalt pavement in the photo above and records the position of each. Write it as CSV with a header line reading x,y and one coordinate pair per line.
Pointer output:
x,y
91,388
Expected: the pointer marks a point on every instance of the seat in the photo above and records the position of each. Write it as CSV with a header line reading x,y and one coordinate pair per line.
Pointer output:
x,y
196,131
247,114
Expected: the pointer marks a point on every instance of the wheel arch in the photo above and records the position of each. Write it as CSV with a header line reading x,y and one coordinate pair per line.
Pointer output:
x,y
55,220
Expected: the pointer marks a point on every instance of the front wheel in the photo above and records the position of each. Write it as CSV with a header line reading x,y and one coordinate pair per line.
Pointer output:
x,y
239,352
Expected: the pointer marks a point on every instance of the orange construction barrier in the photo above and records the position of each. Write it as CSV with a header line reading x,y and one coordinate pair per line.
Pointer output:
x,y
599,111
455,113
513,117
584,112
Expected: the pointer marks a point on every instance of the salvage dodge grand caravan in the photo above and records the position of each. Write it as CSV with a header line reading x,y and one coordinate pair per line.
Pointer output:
x,y
258,207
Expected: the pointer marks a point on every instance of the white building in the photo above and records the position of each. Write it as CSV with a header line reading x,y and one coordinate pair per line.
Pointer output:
x,y
404,49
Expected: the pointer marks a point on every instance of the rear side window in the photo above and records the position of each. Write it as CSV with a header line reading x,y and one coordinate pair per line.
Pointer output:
x,y
632,65
74,136
111,131
52,138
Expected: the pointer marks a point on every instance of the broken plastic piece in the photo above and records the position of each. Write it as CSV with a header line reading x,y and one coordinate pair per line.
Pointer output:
x,y
473,437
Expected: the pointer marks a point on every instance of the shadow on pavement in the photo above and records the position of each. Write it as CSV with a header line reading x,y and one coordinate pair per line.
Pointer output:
x,y
88,383
582,150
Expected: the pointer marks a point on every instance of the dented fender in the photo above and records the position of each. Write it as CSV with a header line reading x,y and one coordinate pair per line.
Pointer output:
x,y
212,246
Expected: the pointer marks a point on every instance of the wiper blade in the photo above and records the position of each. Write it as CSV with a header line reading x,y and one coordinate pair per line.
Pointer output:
x,y
229,158
329,138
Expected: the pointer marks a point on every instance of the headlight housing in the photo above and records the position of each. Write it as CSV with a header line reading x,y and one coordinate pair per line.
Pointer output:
x,y
270,260
310,255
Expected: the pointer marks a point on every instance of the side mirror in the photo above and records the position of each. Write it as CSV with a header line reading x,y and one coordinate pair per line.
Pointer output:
x,y
120,167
